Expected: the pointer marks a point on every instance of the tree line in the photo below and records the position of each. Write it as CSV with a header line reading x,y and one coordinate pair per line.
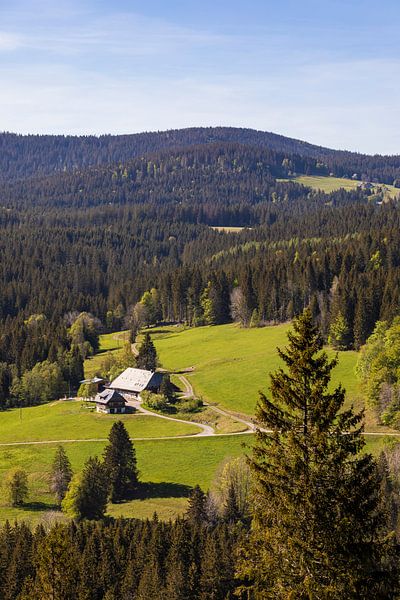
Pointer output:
x,y
31,155
324,515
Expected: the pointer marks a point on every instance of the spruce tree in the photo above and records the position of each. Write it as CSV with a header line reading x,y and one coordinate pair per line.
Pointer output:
x,y
339,333
16,484
196,512
147,355
92,494
120,463
61,474
317,530
231,509
167,389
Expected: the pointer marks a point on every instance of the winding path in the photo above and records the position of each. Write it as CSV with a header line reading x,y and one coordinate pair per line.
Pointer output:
x,y
207,430
189,393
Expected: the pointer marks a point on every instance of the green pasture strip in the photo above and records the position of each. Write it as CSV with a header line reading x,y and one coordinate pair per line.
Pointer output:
x,y
109,343
232,364
170,468
331,184
72,419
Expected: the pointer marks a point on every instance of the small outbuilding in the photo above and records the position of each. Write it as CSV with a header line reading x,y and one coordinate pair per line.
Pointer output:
x,y
110,401
134,381
95,385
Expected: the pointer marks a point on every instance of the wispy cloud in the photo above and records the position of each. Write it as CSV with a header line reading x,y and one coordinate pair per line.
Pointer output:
x,y
58,99
96,67
126,34
9,41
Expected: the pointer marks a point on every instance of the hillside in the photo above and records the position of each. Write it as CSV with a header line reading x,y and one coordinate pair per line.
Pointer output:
x,y
33,155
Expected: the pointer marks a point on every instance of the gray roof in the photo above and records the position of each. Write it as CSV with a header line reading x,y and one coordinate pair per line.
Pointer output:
x,y
136,380
93,380
107,395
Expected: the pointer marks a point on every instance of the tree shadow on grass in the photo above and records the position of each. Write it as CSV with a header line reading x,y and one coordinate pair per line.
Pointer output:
x,y
149,489
39,506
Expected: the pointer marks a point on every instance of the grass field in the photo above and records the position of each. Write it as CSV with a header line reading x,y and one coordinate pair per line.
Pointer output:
x,y
330,184
229,229
71,419
109,343
169,468
232,364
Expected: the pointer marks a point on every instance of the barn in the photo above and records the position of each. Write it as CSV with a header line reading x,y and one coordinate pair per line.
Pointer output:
x,y
110,401
134,381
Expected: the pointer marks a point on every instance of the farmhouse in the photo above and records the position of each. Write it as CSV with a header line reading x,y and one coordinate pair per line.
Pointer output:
x,y
134,381
110,401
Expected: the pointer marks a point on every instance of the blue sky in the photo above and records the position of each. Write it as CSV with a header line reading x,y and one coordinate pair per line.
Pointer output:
x,y
325,71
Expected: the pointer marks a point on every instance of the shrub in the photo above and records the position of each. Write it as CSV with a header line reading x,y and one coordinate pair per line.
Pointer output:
x,y
190,406
154,401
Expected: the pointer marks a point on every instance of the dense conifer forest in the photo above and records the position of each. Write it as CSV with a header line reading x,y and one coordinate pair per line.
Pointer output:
x,y
100,234
89,225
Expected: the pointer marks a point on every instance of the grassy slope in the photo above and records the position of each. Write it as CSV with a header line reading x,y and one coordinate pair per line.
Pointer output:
x,y
71,419
170,468
228,229
109,343
330,184
232,364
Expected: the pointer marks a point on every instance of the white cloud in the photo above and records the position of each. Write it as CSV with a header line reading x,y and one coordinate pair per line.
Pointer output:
x,y
60,100
9,41
121,73
124,34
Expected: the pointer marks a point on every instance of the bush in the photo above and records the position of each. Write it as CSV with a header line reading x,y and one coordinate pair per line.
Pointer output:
x,y
190,406
87,390
155,401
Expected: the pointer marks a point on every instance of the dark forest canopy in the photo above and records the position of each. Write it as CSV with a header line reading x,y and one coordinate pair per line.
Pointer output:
x,y
98,229
23,156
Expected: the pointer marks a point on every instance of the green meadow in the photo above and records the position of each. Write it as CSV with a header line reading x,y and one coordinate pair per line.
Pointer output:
x,y
72,420
168,470
110,343
231,365
331,184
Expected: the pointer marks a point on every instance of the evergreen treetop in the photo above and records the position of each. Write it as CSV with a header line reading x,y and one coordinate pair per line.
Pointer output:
x,y
147,355
61,474
317,530
120,463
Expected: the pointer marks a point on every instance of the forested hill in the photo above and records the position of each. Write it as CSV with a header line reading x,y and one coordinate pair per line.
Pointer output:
x,y
217,174
34,155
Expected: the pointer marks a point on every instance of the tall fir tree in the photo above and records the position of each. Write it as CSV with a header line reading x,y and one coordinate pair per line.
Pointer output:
x,y
92,493
120,463
317,529
196,511
61,474
147,355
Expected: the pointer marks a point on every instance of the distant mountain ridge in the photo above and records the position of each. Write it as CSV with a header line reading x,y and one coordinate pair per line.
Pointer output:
x,y
25,156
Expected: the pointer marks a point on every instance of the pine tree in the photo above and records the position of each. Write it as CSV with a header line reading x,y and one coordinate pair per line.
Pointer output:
x,y
61,474
17,486
317,529
120,463
92,493
339,333
196,512
167,389
231,509
147,355
56,567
